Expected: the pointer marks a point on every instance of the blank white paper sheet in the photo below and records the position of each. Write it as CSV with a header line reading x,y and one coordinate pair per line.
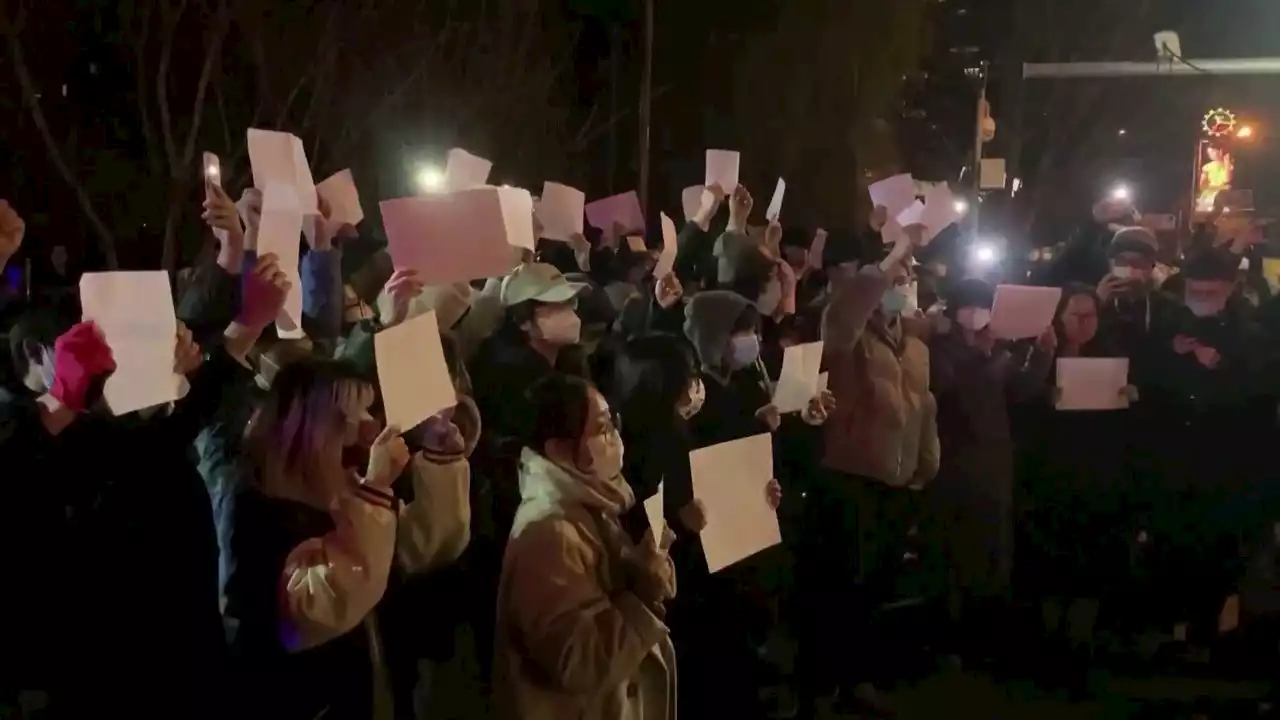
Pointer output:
x,y
731,480
798,381
134,311
412,373
1092,383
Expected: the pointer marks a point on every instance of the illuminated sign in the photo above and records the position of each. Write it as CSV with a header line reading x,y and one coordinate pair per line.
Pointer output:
x,y
1218,122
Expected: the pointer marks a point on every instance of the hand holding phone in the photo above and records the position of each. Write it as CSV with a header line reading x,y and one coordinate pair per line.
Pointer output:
x,y
212,169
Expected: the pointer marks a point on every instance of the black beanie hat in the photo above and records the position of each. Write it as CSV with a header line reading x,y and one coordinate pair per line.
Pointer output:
x,y
970,292
1133,240
1214,264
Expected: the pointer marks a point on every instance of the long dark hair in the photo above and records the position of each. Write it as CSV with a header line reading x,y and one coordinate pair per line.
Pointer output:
x,y
1070,291
650,377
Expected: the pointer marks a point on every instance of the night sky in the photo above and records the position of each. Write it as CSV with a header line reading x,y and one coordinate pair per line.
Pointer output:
x,y
714,87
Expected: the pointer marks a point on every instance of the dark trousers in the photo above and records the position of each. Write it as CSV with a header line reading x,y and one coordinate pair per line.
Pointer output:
x,y
1196,540
850,556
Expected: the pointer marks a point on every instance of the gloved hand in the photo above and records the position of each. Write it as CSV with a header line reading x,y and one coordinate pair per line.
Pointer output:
x,y
81,357
263,294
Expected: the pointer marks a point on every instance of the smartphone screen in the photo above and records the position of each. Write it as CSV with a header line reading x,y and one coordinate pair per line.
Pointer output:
x,y
213,169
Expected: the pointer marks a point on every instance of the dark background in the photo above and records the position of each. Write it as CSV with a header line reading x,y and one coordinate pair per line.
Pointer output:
x,y
830,94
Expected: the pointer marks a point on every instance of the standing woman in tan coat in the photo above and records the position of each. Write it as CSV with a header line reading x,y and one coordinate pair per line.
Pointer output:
x,y
580,632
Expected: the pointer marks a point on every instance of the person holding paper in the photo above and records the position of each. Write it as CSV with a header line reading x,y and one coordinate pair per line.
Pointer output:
x,y
881,446
1075,474
659,306
118,500
580,605
315,540
723,328
658,389
970,502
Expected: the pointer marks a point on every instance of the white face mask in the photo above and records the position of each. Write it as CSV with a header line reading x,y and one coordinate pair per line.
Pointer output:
x,y
912,291
563,327
973,319
693,404
40,374
768,301
606,455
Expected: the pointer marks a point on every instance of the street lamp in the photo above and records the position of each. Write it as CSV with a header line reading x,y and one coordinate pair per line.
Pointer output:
x,y
430,178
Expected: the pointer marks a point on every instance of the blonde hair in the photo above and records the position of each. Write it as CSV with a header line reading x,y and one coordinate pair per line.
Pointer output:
x,y
295,437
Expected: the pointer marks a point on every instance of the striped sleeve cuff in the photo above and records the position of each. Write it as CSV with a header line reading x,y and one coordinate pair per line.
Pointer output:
x,y
374,496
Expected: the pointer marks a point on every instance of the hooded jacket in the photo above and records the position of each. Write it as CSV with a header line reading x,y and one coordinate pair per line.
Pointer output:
x,y
733,397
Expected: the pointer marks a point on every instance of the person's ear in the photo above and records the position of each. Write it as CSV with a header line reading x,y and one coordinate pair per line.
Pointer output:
x,y
561,449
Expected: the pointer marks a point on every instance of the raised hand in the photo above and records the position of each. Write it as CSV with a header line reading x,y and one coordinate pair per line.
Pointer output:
x,y
264,292
402,288
82,360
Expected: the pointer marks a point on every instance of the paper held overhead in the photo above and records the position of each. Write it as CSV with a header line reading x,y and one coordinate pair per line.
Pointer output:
x,y
892,232
894,194
278,157
622,209
817,249
775,203
340,194
279,233
691,201
913,214
722,168
134,311
560,211
939,210
464,171
412,373
462,236
1023,311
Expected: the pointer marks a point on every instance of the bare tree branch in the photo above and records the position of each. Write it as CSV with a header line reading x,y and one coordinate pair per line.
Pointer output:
x,y
170,20
211,57
106,241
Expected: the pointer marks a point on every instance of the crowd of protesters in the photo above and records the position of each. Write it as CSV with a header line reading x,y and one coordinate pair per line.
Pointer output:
x,y
267,547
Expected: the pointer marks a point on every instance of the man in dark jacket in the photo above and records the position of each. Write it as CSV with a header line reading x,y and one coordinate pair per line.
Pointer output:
x,y
1211,409
1132,311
